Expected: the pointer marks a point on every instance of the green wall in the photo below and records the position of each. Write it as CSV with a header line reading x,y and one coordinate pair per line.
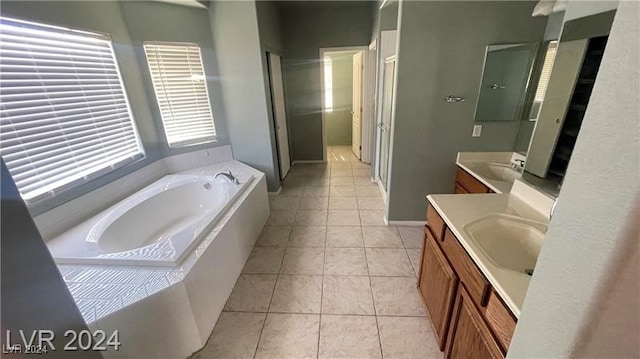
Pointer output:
x,y
307,27
442,47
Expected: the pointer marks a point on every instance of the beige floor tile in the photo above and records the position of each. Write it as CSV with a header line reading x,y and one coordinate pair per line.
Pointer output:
x,y
308,236
343,217
381,237
344,236
281,218
323,181
342,173
343,191
311,217
407,338
414,257
297,294
397,296
314,203
303,260
274,236
294,189
345,261
289,336
362,172
349,337
264,260
281,203
320,191
370,203
389,262
372,217
236,335
343,203
347,295
252,293
412,236
368,191
340,166
364,181
360,165
341,181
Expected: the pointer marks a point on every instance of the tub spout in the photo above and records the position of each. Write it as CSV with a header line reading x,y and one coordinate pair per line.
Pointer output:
x,y
229,175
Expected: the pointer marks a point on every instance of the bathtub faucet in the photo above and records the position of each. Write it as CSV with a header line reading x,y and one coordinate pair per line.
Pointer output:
x,y
229,175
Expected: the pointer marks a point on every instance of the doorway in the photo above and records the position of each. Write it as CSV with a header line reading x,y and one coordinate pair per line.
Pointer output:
x,y
279,113
344,99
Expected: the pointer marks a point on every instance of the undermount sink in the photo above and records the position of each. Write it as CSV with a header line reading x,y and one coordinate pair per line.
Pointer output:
x,y
510,242
495,171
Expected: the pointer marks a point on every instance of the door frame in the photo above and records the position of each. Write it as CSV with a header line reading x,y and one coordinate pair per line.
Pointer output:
x,y
274,116
366,111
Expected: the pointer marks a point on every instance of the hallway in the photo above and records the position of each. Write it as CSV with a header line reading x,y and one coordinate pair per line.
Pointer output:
x,y
327,278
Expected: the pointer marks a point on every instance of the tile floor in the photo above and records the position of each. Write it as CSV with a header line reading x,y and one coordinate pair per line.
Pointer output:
x,y
327,278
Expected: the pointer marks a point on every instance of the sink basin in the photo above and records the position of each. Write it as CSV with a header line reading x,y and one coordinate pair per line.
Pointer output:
x,y
510,242
495,171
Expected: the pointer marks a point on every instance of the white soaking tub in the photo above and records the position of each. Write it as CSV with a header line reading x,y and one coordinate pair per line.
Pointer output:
x,y
157,226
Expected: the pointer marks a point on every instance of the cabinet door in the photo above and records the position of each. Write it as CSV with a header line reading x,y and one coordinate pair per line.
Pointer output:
x,y
469,336
437,284
460,190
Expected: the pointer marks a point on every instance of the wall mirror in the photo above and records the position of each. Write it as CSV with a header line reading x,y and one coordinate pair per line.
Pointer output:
x,y
505,78
561,109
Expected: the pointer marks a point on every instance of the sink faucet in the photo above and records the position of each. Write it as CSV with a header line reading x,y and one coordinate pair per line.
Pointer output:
x,y
229,175
518,165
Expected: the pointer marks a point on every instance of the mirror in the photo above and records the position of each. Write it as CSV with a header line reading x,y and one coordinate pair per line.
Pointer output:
x,y
507,69
563,106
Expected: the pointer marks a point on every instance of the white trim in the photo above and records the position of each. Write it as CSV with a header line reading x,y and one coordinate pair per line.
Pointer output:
x,y
276,192
365,62
407,223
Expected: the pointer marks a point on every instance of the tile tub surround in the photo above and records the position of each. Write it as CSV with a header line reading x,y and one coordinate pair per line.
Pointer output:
x,y
467,159
70,214
171,312
331,308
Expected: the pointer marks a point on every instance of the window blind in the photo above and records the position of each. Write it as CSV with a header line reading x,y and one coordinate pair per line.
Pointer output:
x,y
64,114
181,92
549,59
328,84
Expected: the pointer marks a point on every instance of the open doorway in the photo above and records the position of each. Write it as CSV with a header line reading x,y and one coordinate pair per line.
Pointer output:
x,y
343,96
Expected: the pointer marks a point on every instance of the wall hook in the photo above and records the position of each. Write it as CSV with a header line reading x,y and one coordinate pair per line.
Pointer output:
x,y
453,99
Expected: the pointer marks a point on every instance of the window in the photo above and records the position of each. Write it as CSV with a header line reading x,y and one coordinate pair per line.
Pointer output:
x,y
64,114
328,84
547,66
179,83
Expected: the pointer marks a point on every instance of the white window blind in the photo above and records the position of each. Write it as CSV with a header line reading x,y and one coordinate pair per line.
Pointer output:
x,y
181,92
543,82
64,114
549,59
328,84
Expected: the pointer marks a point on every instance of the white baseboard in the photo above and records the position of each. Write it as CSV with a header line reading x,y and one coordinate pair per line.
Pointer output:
x,y
276,192
406,223
309,161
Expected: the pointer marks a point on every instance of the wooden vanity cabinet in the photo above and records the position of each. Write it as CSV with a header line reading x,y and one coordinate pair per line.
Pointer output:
x,y
466,183
469,335
438,283
469,318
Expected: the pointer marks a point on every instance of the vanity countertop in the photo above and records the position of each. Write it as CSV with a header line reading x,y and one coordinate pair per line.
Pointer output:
x,y
459,210
477,165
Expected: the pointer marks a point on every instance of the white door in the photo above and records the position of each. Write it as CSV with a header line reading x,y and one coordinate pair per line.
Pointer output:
x,y
277,99
356,112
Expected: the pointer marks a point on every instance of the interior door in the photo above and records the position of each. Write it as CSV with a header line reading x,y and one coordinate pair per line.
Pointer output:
x,y
280,116
356,111
385,125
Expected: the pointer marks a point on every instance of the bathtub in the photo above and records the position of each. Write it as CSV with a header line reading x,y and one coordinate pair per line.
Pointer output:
x,y
157,226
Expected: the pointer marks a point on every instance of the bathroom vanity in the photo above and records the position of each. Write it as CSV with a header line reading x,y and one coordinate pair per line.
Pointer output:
x,y
478,254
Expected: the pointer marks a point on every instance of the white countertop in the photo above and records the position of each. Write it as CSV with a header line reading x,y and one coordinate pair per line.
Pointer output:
x,y
458,210
496,186
466,160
